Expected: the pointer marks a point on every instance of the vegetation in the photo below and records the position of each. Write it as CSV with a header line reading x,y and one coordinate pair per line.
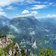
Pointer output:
x,y
1,52
42,52
23,52
47,52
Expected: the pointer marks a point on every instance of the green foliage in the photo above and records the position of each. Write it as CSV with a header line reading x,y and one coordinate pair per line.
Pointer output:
x,y
42,52
23,52
47,52
2,53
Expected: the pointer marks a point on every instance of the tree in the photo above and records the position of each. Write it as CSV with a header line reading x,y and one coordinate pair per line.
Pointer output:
x,y
47,52
1,52
23,53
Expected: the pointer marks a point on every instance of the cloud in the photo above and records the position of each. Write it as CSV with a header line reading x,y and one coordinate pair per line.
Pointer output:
x,y
50,3
31,1
25,12
3,13
29,13
15,29
28,1
34,12
48,16
7,2
1,9
51,15
10,7
39,6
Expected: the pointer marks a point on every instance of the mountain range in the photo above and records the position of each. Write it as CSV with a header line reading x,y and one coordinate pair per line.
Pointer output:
x,y
30,32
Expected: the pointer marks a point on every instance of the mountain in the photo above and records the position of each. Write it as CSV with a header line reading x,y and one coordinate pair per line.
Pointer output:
x,y
4,20
30,32
49,23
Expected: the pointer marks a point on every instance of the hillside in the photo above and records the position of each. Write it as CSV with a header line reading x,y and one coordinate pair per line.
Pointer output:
x,y
30,33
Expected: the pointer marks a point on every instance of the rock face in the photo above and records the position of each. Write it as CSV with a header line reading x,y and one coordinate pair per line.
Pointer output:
x,y
5,41
15,51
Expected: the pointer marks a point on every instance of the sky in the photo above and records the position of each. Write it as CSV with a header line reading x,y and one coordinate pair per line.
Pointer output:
x,y
19,8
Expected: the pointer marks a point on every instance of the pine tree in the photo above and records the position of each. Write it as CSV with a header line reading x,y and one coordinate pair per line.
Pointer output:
x,y
23,53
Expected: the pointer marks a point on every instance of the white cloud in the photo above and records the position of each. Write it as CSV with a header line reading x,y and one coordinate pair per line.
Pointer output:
x,y
39,6
39,2
3,13
48,16
7,2
15,29
51,15
29,13
25,12
50,3
28,1
1,9
34,12
10,7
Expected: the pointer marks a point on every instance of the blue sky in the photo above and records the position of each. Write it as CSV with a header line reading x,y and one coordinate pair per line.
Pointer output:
x,y
37,8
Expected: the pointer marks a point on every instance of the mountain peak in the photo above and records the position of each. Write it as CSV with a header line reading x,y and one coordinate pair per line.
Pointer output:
x,y
20,17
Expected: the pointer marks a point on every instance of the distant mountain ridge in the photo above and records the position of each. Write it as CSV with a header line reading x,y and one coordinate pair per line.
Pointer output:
x,y
4,20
